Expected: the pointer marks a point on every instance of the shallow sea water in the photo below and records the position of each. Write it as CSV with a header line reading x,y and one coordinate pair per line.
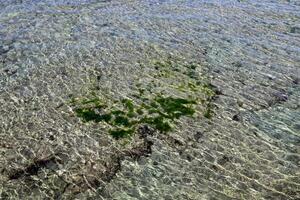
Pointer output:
x,y
52,51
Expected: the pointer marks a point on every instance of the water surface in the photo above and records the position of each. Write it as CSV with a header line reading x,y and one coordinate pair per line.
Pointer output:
x,y
51,51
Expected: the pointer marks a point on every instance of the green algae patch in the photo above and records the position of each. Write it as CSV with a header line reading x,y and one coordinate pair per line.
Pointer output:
x,y
159,113
170,92
121,133
208,113
89,114
176,107
159,123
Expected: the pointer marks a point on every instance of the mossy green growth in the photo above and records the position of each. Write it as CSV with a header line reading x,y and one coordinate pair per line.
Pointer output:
x,y
121,133
209,90
192,66
176,107
159,113
128,104
124,116
121,121
159,123
95,101
89,114
208,112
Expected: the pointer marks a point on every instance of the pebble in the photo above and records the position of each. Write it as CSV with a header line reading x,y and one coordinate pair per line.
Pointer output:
x,y
236,117
281,97
198,135
295,29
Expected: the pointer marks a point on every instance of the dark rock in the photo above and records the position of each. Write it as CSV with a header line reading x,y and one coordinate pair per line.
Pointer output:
x,y
145,130
218,92
178,142
237,118
189,158
198,135
33,168
10,71
223,160
105,25
51,137
281,97
295,29
296,81
237,64
217,71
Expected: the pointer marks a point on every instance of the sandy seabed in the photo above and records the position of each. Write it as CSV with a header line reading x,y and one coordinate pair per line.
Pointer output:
x,y
55,51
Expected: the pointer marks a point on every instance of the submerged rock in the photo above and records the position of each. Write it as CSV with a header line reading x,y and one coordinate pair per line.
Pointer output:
x,y
295,29
280,96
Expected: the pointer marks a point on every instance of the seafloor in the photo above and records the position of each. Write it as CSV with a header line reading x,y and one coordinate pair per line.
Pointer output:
x,y
54,52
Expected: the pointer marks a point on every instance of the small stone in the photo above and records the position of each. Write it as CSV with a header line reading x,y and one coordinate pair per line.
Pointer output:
x,y
237,64
145,131
51,137
240,103
189,158
271,77
155,163
223,160
296,81
295,29
198,135
177,142
11,71
236,118
281,97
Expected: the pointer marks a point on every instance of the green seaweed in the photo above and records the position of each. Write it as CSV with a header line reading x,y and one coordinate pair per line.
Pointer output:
x,y
192,74
160,112
176,107
121,120
128,104
193,87
208,112
192,66
121,133
159,123
89,114
140,111
141,91
118,112
209,90
96,101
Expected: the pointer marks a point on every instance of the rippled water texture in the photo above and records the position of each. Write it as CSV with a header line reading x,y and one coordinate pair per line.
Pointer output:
x,y
52,51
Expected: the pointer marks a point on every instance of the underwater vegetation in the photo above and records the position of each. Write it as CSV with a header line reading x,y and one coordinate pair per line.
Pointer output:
x,y
154,109
160,113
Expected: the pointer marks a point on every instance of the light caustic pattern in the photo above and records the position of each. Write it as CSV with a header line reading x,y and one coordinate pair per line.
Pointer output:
x,y
53,53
